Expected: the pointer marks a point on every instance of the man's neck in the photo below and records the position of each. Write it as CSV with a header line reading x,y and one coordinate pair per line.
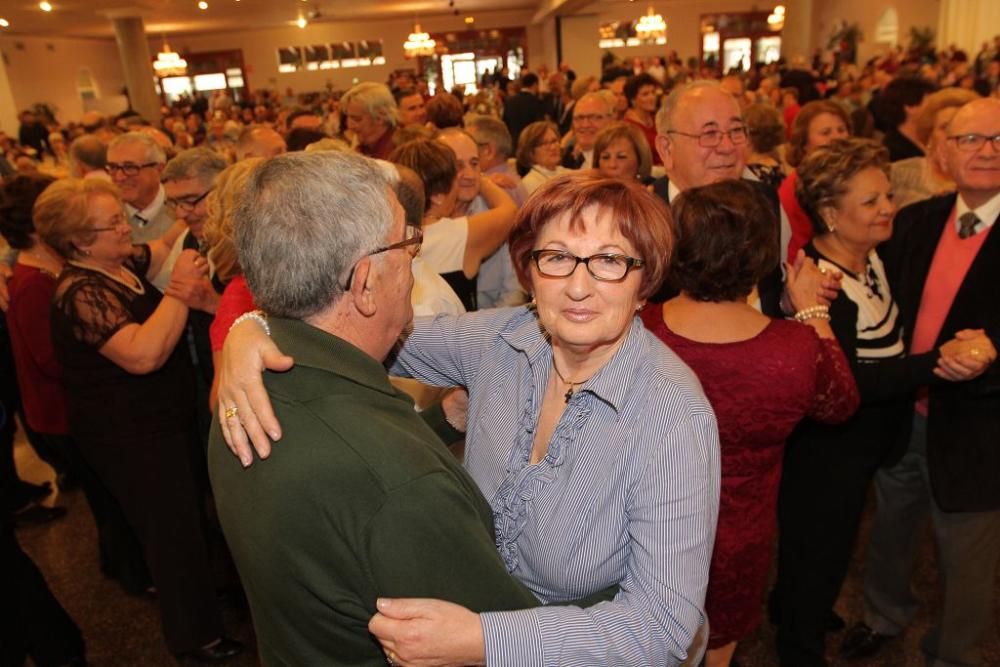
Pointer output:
x,y
976,198
142,205
344,322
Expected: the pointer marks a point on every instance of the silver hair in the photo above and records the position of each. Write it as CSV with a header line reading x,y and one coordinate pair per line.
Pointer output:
x,y
154,153
303,221
202,164
491,129
375,99
664,119
605,97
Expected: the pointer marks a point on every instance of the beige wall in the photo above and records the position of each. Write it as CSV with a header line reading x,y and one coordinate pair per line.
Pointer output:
x,y
683,17
866,13
260,47
46,70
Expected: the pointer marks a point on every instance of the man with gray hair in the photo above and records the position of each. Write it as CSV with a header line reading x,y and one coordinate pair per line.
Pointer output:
x,y
135,163
88,157
188,179
372,117
362,500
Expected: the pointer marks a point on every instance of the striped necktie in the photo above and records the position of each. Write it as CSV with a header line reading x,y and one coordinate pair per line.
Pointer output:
x,y
967,224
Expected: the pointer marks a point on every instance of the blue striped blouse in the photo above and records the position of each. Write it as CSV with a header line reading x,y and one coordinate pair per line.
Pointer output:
x,y
627,494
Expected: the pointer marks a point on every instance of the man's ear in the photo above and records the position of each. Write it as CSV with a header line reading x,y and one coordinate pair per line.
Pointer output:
x,y
361,288
663,147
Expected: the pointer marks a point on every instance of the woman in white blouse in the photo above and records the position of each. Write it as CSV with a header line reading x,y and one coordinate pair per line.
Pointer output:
x,y
538,155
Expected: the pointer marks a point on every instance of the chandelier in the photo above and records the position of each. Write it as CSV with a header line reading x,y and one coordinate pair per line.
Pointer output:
x,y
169,63
419,43
651,26
776,21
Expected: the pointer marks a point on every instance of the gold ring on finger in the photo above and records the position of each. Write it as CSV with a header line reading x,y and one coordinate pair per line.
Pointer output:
x,y
231,412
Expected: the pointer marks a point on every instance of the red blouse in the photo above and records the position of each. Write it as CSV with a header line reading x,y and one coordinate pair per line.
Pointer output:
x,y
236,300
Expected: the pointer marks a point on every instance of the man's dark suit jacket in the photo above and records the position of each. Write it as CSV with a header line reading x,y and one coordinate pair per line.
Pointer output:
x,y
771,286
520,111
963,429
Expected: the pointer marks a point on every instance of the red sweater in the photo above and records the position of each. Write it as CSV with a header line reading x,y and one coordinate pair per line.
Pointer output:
x,y
38,373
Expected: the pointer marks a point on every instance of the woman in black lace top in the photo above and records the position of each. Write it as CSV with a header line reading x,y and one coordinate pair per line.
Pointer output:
x,y
129,405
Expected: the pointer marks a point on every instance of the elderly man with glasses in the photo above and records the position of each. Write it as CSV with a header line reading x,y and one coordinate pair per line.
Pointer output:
x,y
590,114
135,162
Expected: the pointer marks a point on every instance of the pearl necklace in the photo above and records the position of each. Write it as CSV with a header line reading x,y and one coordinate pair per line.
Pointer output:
x,y
136,284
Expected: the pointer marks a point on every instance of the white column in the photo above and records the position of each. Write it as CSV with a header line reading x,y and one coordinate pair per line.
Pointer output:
x,y
8,105
133,48
967,23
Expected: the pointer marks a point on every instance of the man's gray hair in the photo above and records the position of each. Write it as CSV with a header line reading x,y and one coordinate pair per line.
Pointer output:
x,y
303,221
490,129
605,97
664,119
376,100
154,153
202,164
89,152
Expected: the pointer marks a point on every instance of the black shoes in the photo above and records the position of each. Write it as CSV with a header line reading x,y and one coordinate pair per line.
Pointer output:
x,y
220,650
862,642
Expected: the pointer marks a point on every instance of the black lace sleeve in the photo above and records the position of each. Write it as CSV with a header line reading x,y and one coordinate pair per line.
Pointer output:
x,y
94,311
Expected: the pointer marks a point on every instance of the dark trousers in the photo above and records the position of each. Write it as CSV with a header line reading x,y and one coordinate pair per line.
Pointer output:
x,y
823,492
32,622
153,480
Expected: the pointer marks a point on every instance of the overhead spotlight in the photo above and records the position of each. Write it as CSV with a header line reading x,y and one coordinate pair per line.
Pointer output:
x,y
45,6
469,20
202,5
302,22
4,23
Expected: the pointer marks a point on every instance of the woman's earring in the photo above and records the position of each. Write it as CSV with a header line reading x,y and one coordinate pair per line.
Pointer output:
x,y
831,227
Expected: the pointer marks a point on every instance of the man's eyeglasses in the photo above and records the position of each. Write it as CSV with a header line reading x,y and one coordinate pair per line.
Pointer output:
x,y
128,168
712,138
413,238
187,204
608,267
973,142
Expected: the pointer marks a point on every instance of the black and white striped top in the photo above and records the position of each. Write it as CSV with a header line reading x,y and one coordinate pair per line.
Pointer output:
x,y
879,329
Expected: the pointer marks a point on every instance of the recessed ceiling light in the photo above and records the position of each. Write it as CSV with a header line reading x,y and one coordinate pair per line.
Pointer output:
x,y
301,22
45,6
202,5
469,20
4,23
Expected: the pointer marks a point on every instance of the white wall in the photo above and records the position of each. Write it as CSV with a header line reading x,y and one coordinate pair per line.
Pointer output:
x,y
260,57
968,23
45,69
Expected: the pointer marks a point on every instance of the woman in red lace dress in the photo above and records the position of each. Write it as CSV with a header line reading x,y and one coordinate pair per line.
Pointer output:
x,y
762,377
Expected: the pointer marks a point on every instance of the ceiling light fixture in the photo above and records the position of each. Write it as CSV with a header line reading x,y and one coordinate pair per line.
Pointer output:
x,y
776,21
45,6
469,20
169,63
202,5
4,23
419,43
301,21
651,26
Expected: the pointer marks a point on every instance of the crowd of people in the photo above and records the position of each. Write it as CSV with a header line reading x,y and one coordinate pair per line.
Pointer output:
x,y
755,339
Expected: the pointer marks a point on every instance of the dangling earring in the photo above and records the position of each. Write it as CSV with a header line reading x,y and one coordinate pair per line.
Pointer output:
x,y
831,227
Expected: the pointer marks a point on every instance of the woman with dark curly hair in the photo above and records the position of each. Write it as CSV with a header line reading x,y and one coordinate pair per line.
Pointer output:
x,y
844,188
762,377
643,95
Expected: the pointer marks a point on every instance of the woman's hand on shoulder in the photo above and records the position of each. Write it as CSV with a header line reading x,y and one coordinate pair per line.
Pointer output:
x,y
421,632
806,285
244,409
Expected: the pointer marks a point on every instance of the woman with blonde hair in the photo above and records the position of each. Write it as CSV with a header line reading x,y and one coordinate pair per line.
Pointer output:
x,y
236,297
921,177
621,152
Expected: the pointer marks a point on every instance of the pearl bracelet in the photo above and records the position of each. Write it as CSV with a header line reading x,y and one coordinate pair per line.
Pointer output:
x,y
812,313
257,316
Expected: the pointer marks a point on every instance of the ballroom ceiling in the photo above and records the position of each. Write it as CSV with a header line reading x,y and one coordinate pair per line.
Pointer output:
x,y
90,18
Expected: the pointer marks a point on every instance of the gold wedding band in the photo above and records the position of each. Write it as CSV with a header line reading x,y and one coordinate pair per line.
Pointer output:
x,y
231,412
